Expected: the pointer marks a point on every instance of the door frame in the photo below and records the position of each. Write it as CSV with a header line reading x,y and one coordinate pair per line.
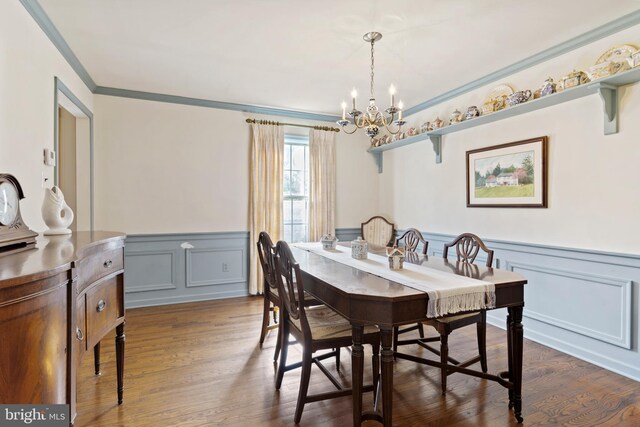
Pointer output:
x,y
61,88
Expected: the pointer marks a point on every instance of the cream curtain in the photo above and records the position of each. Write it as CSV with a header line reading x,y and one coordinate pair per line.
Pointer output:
x,y
265,194
322,183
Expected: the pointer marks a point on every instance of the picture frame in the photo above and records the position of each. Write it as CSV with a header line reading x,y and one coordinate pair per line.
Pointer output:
x,y
512,175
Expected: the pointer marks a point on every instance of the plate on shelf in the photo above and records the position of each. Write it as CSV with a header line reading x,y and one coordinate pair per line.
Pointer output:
x,y
617,54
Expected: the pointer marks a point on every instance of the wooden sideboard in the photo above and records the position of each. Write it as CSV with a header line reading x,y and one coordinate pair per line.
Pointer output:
x,y
57,302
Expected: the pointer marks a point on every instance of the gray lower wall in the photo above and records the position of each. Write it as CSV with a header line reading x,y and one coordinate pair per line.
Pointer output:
x,y
584,303
159,270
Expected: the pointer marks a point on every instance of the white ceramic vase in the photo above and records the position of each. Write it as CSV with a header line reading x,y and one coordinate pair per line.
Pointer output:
x,y
55,212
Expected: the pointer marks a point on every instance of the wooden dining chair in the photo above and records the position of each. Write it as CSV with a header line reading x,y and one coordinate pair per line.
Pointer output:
x,y
316,328
467,247
410,240
378,231
266,255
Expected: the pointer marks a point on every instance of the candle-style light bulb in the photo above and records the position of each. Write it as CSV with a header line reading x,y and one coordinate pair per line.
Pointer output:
x,y
354,95
400,106
344,110
392,92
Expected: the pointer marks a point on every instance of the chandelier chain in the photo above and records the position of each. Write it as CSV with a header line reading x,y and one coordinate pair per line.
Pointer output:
x,y
372,66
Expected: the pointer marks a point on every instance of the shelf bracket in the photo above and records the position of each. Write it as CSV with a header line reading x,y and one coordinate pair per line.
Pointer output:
x,y
609,96
436,140
378,159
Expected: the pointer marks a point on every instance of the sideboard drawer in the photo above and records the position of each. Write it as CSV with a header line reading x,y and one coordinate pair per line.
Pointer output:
x,y
100,265
104,307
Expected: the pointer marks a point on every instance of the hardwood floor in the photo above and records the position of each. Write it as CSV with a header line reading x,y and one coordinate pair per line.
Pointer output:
x,y
200,364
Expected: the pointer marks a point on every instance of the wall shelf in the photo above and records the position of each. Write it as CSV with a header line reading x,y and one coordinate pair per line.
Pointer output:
x,y
606,87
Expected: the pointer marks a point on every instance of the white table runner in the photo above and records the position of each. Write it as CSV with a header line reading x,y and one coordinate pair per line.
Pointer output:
x,y
448,293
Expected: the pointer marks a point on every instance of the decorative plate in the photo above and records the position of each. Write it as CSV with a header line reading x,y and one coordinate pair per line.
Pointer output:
x,y
617,54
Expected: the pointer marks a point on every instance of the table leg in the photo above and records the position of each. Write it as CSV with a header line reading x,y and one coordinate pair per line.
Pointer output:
x,y
386,336
510,356
96,358
120,360
357,369
517,343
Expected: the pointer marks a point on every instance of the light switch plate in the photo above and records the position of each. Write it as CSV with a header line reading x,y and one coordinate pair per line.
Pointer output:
x,y
49,157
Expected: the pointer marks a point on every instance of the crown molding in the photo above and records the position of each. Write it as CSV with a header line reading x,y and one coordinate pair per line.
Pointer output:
x,y
42,19
246,108
591,36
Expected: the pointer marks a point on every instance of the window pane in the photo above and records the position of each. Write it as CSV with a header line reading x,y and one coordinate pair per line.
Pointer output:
x,y
299,211
299,233
297,157
287,234
287,157
297,183
286,211
287,183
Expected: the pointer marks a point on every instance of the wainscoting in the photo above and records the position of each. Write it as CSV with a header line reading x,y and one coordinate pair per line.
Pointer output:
x,y
584,303
174,268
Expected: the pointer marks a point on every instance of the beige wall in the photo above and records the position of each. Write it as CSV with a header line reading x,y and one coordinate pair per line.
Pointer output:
x,y
28,64
168,168
594,201
172,168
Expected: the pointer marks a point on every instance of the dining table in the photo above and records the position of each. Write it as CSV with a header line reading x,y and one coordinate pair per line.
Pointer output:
x,y
364,298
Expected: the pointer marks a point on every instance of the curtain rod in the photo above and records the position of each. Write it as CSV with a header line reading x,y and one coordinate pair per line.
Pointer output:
x,y
269,122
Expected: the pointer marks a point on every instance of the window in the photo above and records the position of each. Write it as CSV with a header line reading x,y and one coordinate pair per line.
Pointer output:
x,y
296,188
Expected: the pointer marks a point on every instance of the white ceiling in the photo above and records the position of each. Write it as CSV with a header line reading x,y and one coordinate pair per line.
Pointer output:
x,y
307,55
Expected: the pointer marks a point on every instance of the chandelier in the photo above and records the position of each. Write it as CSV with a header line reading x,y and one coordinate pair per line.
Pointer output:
x,y
373,119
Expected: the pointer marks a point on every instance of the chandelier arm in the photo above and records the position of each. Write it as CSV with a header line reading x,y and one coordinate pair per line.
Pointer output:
x,y
390,131
344,129
388,122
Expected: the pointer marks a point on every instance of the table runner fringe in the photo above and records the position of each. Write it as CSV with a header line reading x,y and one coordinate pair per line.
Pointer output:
x,y
473,301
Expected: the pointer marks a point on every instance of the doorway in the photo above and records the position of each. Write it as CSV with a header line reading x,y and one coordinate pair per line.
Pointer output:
x,y
74,148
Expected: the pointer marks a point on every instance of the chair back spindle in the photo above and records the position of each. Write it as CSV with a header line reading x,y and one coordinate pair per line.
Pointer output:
x,y
468,246
266,253
290,285
412,238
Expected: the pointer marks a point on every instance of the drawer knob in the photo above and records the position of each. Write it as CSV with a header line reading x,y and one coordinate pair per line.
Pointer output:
x,y
107,263
79,334
101,305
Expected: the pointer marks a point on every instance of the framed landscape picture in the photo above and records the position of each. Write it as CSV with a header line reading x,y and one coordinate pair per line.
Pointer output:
x,y
510,175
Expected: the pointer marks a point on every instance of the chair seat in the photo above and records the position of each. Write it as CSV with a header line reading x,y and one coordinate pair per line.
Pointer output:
x,y
449,319
325,323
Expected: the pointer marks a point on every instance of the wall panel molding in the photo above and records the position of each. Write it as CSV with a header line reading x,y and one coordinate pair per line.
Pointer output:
x,y
131,257
622,301
147,256
215,266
